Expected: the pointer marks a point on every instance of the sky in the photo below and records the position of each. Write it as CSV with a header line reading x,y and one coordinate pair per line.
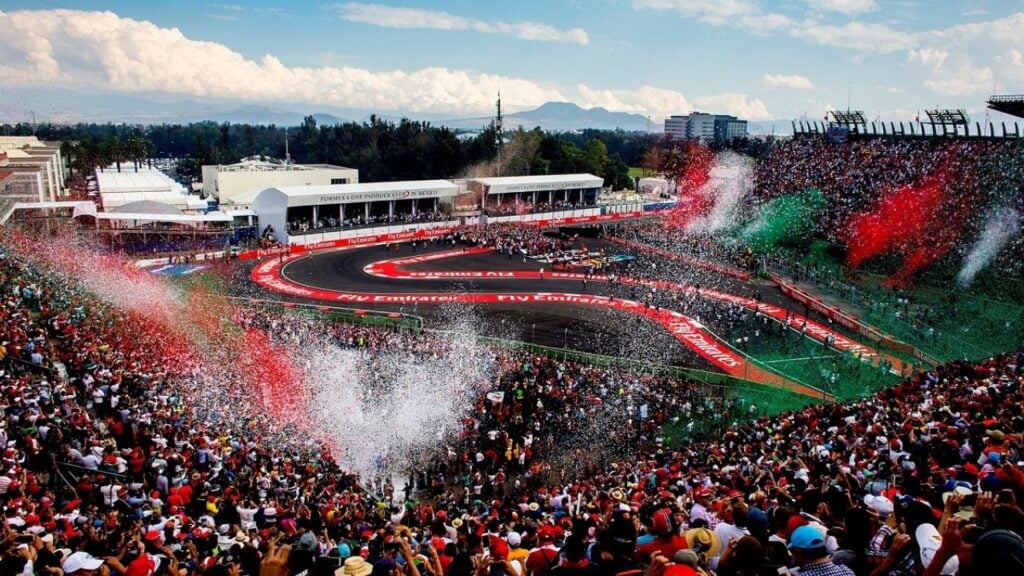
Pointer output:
x,y
758,59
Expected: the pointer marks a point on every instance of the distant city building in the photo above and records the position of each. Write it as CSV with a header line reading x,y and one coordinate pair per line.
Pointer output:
x,y
35,170
237,185
705,127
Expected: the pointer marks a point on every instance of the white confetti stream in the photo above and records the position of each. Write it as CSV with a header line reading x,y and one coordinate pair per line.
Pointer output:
x,y
1001,226
382,413
731,181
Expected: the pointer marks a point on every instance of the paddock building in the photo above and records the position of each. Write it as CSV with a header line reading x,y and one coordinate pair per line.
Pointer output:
x,y
298,210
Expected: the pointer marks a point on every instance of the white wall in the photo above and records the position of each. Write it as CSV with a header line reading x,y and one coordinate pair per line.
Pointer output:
x,y
232,184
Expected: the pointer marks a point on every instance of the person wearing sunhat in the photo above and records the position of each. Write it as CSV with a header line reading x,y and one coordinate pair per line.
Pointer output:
x,y
704,542
807,544
354,566
516,552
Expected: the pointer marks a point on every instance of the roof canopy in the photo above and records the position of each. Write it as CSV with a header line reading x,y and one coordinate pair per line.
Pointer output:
x,y
130,180
513,184
175,218
358,193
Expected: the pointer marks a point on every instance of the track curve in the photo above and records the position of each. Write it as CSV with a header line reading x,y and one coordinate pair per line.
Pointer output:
x,y
381,282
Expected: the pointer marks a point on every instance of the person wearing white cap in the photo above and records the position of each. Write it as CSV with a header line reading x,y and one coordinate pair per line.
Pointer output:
x,y
881,510
81,563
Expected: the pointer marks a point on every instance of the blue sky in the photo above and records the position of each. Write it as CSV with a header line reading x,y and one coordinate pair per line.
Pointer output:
x,y
760,59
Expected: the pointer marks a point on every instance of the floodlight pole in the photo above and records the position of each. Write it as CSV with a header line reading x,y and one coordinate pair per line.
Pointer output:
x,y
498,127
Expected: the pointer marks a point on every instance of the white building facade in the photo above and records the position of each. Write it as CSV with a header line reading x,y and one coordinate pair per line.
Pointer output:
x,y
36,169
236,185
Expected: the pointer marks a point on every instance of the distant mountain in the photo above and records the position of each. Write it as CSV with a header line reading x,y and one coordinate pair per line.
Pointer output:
x,y
562,117
67,106
257,114
770,128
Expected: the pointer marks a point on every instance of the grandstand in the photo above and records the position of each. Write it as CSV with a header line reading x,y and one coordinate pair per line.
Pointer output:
x,y
1012,104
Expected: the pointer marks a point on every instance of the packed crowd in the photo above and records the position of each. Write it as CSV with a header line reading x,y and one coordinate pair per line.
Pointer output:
x,y
571,469
979,173
306,225
513,239
513,208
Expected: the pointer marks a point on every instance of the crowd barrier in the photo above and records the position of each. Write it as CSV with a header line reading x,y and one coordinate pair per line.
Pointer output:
x,y
427,231
398,320
850,322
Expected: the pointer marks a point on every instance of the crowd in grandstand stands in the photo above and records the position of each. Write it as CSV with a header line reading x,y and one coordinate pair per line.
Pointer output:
x,y
303,225
513,208
852,175
658,234
107,468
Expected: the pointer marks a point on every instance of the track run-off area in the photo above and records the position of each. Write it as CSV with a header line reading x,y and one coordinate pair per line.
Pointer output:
x,y
269,275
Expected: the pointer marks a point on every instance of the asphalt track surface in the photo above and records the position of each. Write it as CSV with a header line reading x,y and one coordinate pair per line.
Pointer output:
x,y
584,328
441,272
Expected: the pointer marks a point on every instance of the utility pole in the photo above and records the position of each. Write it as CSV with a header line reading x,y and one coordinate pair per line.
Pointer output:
x,y
287,154
497,126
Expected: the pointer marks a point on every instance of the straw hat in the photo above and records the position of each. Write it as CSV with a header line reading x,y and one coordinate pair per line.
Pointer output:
x,y
354,566
702,540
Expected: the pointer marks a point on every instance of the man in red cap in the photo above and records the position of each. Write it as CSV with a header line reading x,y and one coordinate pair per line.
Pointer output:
x,y
700,512
545,556
666,541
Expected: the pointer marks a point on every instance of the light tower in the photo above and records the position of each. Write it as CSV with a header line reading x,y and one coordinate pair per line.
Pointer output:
x,y
497,127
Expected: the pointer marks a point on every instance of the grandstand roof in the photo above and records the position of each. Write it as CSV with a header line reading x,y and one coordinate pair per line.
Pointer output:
x,y
510,184
362,192
181,201
146,207
173,218
1012,104
128,180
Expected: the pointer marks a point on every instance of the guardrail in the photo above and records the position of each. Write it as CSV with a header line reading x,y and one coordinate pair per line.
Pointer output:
x,y
778,272
400,320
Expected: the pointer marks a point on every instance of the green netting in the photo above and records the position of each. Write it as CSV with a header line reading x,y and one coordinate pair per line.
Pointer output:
x,y
742,399
946,324
843,375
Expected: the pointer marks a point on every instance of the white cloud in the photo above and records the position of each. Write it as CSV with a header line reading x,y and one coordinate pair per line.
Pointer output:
x,y
787,81
736,104
930,57
659,103
409,18
961,80
101,50
855,35
961,60
215,16
740,13
848,7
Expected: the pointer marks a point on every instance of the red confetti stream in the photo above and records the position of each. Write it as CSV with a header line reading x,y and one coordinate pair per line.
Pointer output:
x,y
921,223
895,223
695,197
187,329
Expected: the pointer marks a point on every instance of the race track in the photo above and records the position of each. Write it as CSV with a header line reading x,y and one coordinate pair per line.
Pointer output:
x,y
524,300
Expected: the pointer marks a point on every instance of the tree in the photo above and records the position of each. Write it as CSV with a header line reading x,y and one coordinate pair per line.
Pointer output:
x,y
114,152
